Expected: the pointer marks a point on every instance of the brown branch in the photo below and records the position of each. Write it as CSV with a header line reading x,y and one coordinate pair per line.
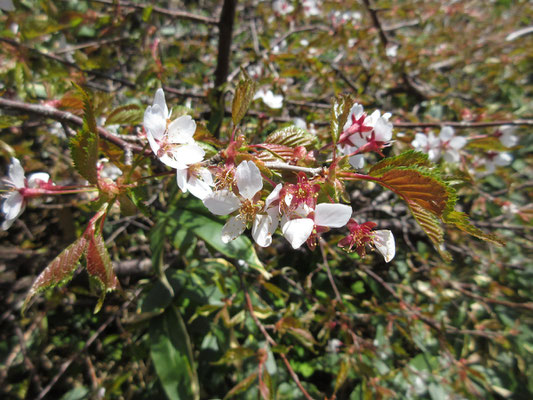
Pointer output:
x,y
506,303
322,244
225,27
65,116
267,336
160,10
295,168
377,23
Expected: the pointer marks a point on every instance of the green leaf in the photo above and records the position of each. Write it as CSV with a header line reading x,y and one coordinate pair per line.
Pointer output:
x,y
59,271
158,236
84,146
431,225
339,115
99,267
171,352
130,114
244,94
461,221
209,230
292,136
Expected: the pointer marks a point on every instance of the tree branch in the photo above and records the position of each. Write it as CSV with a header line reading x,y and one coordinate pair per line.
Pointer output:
x,y
65,116
225,26
160,10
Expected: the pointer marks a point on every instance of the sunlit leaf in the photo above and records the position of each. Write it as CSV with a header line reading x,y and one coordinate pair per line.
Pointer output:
x,y
292,136
244,94
339,115
130,114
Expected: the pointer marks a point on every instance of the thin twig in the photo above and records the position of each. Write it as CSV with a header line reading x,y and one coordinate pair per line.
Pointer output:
x,y
286,167
268,338
160,10
463,124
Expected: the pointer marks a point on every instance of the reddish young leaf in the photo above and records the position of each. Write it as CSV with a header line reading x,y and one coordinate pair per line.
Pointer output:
x,y
59,271
99,264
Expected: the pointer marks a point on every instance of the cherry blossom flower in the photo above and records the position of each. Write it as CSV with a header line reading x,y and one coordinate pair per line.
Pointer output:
x,y
363,133
446,145
311,8
363,235
270,99
282,7
15,199
326,215
172,142
223,202
495,159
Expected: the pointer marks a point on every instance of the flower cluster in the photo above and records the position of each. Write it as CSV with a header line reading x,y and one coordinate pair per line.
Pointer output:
x,y
239,189
364,133
173,143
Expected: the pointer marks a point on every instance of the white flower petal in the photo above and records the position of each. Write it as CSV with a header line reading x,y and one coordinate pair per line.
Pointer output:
x,y
12,206
199,188
182,130
16,173
154,122
457,142
503,159
383,130
446,133
384,243
274,195
249,180
451,156
357,161
222,202
296,231
181,178
420,141
159,100
188,154
263,228
233,229
35,178
332,215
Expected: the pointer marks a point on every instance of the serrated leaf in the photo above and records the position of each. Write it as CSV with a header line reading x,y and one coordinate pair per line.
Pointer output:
x,y
59,271
461,221
99,266
292,136
244,94
84,146
209,230
8,121
486,143
339,115
409,158
130,114
171,352
342,375
431,226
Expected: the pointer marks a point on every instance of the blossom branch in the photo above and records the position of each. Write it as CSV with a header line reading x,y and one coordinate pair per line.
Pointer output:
x,y
269,338
65,116
295,168
464,124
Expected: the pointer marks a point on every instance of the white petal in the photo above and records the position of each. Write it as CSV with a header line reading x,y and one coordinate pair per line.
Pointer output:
x,y
357,161
206,176
274,195
263,228
451,156
181,178
332,215
222,202
12,206
16,173
249,179
384,242
172,162
296,231
503,159
233,229
182,130
199,188
153,143
457,142
154,122
35,178
188,154
420,141
446,133
159,100
383,130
